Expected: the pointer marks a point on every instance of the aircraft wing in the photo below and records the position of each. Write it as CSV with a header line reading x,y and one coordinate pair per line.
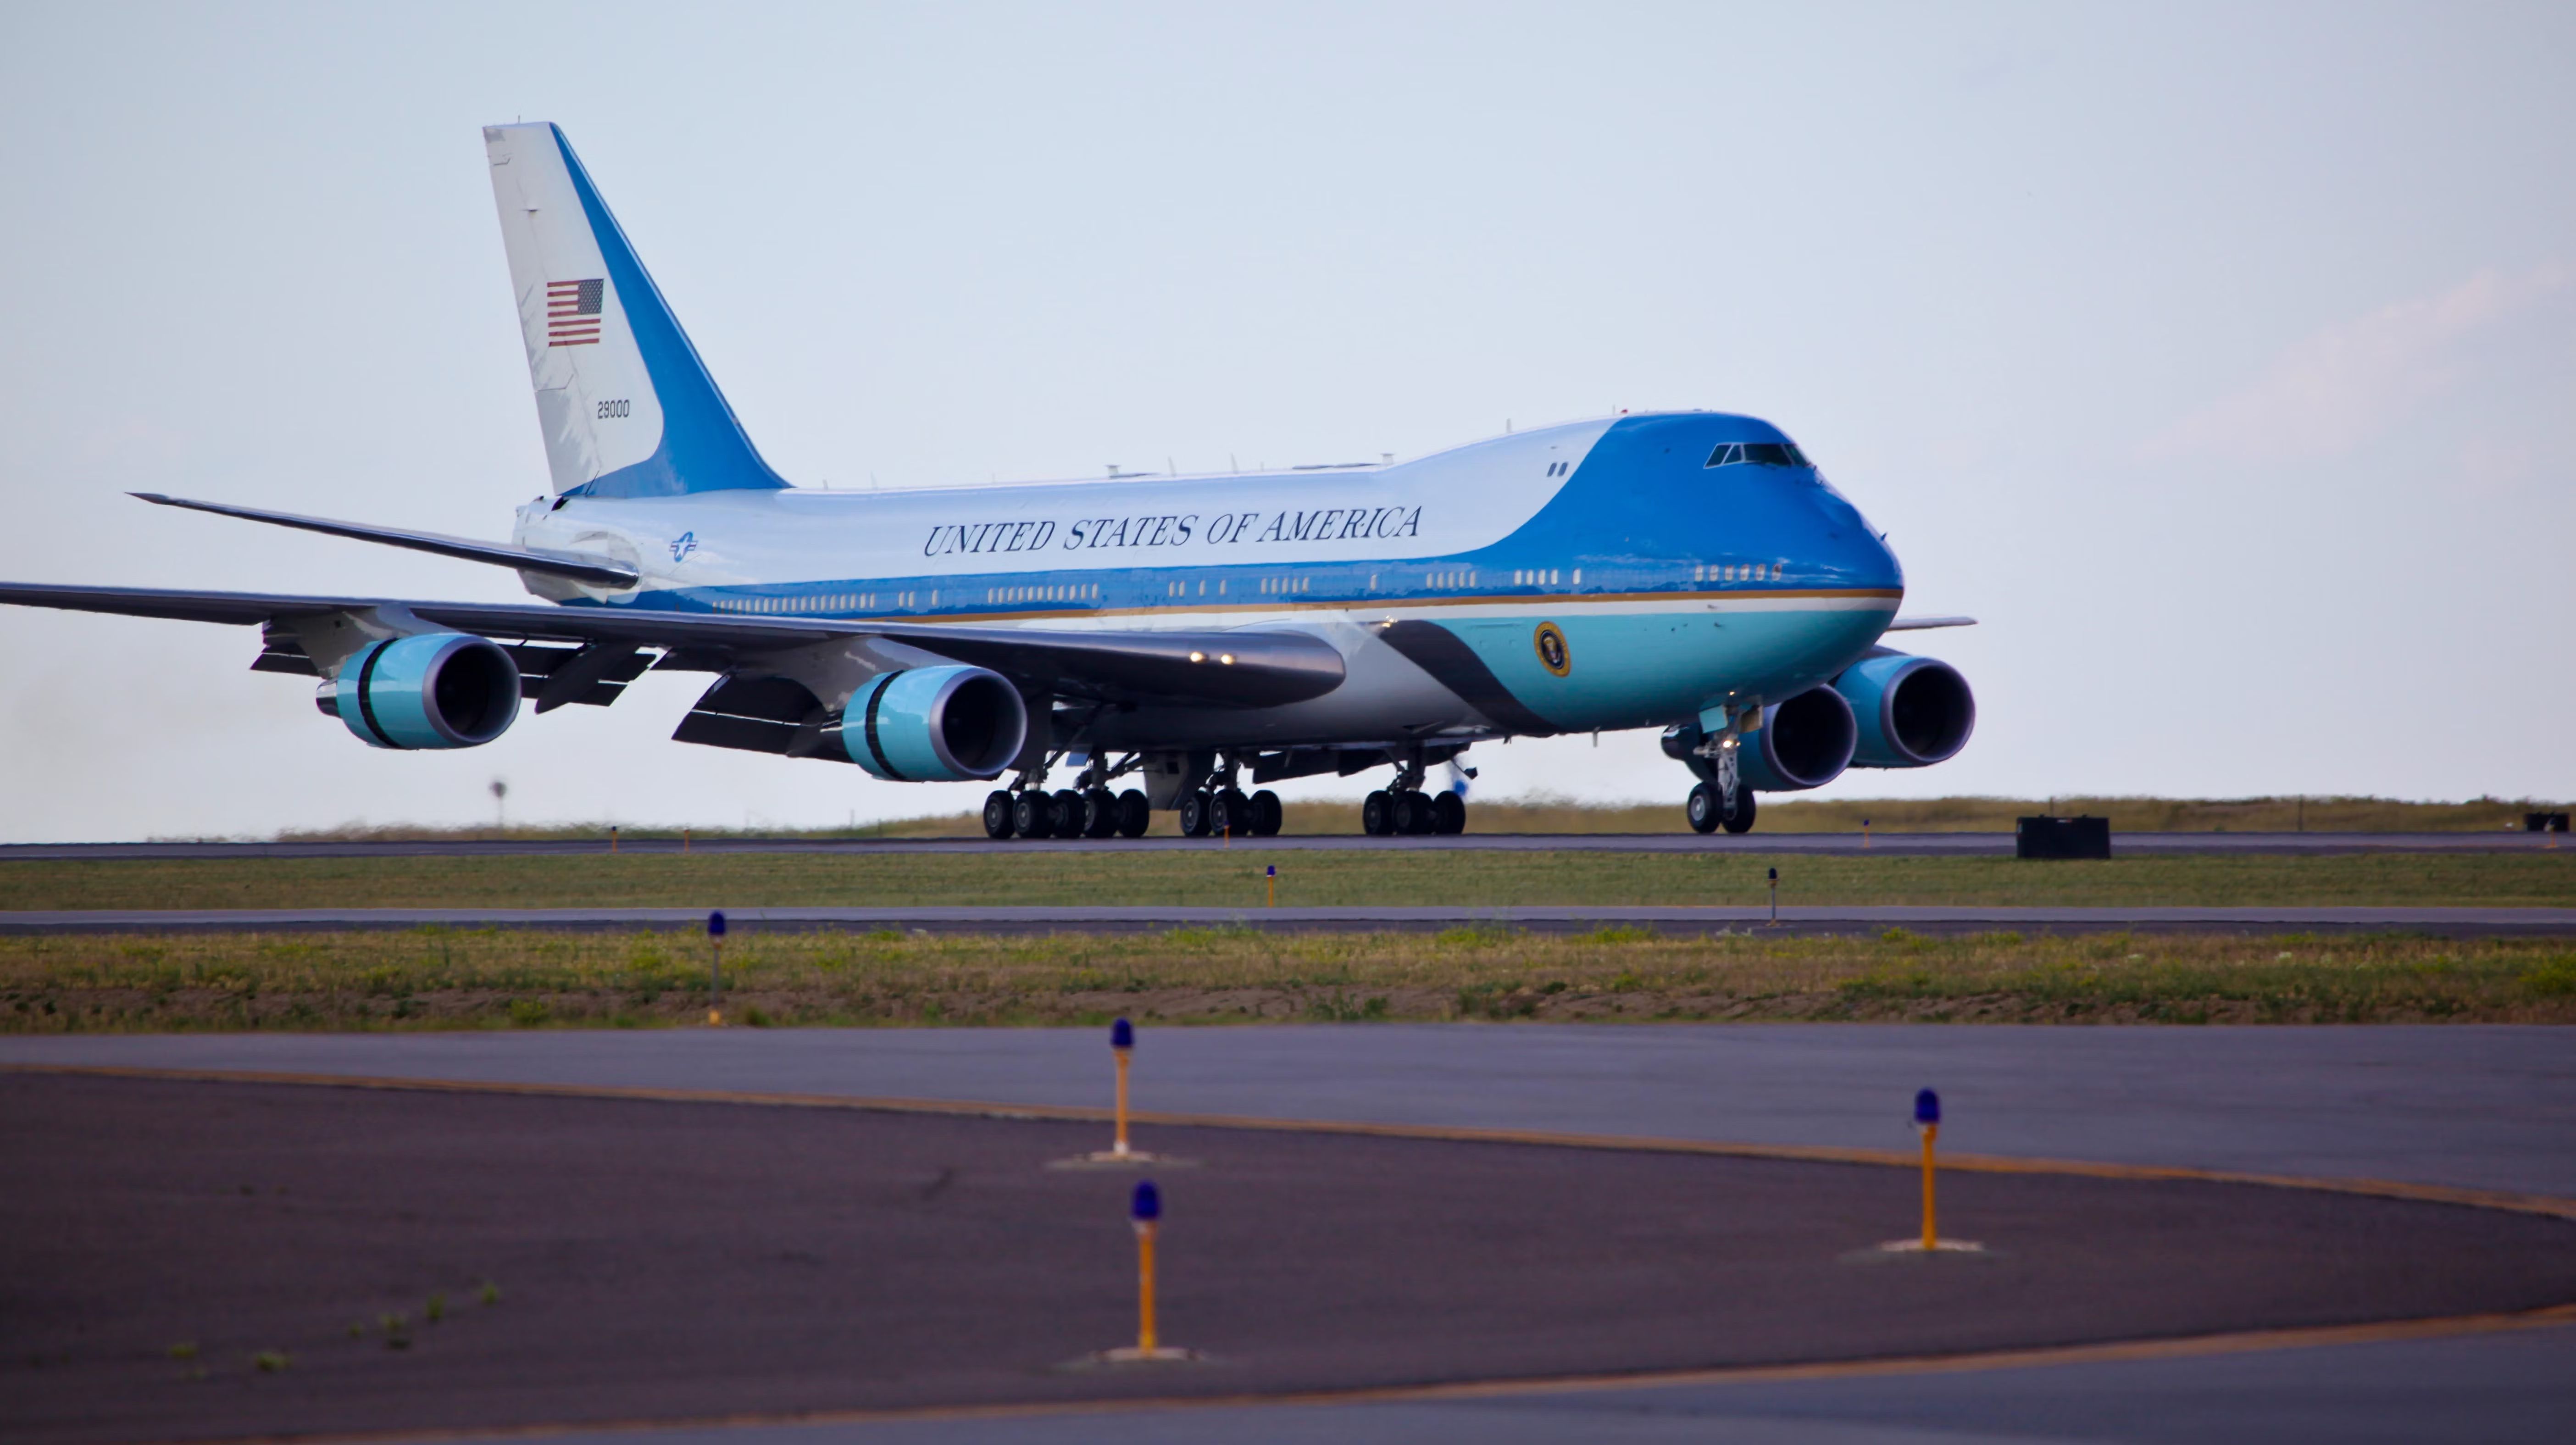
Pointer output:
x,y
1238,669
1919,624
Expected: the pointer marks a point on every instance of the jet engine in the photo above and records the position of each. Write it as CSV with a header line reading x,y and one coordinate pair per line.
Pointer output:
x,y
935,724
1805,742
1912,711
435,690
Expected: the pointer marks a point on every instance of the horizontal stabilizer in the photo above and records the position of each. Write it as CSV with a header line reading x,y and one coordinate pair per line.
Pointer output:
x,y
575,566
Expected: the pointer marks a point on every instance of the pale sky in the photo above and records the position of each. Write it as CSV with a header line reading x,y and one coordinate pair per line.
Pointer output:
x,y
2222,359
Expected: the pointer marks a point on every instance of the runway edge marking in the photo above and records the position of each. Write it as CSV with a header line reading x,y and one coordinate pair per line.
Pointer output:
x,y
2552,1206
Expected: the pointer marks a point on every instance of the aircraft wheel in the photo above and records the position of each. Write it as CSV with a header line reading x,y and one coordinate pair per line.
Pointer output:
x,y
1377,814
997,815
1232,814
1448,814
1412,813
1741,818
1100,814
1033,814
1266,814
1068,814
1195,807
1135,815
1703,808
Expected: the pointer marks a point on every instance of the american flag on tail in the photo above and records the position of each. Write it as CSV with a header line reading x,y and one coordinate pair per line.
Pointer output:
x,y
572,312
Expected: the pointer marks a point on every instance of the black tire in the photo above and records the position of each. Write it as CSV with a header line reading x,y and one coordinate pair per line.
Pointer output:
x,y
1266,814
997,815
1377,814
1412,814
1135,815
1448,814
1099,814
1068,814
1033,813
1702,809
1740,818
1233,814
1195,807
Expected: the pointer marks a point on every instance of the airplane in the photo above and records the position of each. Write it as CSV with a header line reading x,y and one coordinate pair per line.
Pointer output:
x,y
1689,571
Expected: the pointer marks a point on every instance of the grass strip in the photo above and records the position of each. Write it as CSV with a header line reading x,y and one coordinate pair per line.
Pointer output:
x,y
1216,877
436,978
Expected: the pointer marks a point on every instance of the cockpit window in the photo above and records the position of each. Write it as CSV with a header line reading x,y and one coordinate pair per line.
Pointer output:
x,y
1760,454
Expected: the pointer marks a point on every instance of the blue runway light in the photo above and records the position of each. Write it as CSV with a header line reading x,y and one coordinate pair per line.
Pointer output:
x,y
1927,1107
716,924
1122,1035
1148,1205
1272,870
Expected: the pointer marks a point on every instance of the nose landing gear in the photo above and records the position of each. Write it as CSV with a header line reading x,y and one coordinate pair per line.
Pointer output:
x,y
1708,811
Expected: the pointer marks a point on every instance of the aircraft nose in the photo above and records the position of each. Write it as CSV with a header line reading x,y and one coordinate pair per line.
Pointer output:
x,y
1848,550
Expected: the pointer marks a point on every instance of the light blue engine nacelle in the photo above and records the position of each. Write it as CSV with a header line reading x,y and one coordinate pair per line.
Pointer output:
x,y
436,690
1912,711
1805,742
935,725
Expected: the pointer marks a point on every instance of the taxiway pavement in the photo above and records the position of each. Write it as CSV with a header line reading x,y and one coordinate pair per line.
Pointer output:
x,y
2488,1107
1678,841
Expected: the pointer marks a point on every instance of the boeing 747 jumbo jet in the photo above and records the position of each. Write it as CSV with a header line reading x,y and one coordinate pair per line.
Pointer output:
x,y
1689,571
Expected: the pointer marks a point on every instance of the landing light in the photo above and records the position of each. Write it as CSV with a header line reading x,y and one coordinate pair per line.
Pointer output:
x,y
1198,657
1226,657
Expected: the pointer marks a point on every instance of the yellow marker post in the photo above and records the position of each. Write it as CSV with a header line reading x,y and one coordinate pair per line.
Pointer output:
x,y
1927,1122
612,838
1146,1212
715,969
684,840
1122,1042
1274,885
1864,833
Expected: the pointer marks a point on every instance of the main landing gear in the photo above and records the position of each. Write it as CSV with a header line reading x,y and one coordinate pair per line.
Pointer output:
x,y
1070,813
1228,812
1390,811
1406,809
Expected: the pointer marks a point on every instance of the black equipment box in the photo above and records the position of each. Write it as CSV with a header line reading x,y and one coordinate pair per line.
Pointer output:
x,y
2544,822
2062,838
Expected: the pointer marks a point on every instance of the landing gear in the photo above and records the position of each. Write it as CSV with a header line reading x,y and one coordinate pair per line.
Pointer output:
x,y
1705,809
1135,815
997,815
1196,805
1033,814
1266,814
1448,814
1708,810
1099,813
1377,814
1740,817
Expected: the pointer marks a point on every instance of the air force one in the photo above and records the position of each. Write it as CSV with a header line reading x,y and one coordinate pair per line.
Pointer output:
x,y
1687,571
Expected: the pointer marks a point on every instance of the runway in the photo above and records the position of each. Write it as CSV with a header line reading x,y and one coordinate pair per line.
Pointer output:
x,y
1897,844
2470,1107
1832,919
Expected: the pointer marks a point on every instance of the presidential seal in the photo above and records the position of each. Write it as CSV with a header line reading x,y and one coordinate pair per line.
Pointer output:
x,y
1552,653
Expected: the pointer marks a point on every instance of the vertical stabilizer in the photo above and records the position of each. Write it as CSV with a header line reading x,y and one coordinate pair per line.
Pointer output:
x,y
627,407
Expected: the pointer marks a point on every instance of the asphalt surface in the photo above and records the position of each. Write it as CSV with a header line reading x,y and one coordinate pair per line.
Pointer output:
x,y
1043,918
678,1260
2489,1107
1959,844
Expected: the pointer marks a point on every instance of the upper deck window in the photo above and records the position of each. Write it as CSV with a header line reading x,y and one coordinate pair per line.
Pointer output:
x,y
1760,454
